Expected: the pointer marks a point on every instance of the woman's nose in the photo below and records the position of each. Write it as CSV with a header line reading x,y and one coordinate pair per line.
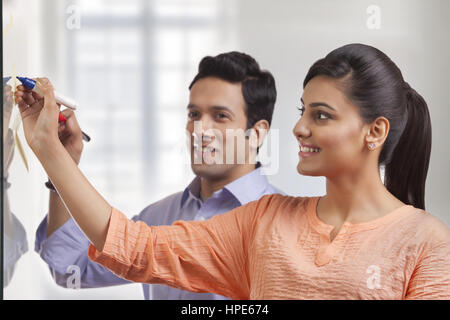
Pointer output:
x,y
300,129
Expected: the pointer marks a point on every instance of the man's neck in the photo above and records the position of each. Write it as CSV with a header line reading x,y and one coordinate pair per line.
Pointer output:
x,y
209,186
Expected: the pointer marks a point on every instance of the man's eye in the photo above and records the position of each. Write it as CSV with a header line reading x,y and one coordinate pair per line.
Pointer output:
x,y
192,114
221,115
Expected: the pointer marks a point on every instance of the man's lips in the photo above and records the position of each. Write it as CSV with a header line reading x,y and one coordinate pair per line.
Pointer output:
x,y
205,151
205,147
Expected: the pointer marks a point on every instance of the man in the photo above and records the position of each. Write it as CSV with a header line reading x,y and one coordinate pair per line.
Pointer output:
x,y
230,93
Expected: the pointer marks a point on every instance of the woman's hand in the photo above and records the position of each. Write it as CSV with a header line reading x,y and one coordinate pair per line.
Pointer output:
x,y
39,116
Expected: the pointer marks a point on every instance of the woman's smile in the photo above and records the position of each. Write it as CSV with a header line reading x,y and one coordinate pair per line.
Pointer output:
x,y
307,150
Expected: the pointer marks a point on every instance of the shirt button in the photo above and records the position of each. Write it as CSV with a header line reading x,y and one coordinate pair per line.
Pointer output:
x,y
322,260
322,256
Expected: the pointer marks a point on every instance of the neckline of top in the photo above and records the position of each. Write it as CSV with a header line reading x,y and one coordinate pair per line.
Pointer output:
x,y
354,227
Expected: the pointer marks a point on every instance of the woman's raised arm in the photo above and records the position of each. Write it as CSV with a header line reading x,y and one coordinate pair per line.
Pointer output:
x,y
206,256
40,122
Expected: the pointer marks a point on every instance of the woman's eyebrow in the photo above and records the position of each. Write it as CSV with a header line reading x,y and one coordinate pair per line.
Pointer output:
x,y
317,104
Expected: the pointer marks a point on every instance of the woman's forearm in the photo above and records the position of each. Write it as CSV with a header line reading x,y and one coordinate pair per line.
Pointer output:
x,y
87,207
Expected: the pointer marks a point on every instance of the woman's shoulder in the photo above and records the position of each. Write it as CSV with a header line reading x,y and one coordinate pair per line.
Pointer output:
x,y
427,227
282,202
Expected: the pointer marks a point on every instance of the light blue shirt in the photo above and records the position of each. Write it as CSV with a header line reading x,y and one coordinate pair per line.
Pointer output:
x,y
68,246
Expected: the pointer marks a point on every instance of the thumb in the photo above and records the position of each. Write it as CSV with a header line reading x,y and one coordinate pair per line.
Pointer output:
x,y
68,113
71,122
47,90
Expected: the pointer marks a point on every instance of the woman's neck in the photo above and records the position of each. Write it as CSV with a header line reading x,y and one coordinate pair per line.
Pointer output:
x,y
356,198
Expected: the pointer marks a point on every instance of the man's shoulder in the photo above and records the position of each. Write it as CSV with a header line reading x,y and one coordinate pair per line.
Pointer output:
x,y
271,189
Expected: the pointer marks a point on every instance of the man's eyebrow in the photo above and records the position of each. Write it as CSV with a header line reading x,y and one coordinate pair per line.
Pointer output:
x,y
318,104
215,108
222,108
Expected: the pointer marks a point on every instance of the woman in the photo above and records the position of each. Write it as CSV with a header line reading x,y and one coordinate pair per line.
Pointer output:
x,y
362,240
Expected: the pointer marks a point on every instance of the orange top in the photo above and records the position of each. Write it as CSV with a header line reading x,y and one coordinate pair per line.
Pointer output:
x,y
277,248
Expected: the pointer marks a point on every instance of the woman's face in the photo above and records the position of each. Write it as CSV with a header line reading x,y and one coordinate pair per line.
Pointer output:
x,y
331,124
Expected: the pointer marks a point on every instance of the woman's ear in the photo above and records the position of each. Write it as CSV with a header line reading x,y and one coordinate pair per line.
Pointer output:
x,y
377,132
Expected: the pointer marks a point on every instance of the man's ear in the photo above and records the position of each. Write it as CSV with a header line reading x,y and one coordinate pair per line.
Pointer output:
x,y
257,133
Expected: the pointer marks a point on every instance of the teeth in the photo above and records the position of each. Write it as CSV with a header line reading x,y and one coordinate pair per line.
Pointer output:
x,y
204,149
307,149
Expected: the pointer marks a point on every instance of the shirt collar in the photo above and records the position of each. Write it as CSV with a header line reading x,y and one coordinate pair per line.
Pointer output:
x,y
249,187
192,190
245,189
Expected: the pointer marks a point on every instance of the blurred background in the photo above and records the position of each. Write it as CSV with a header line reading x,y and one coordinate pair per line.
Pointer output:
x,y
129,64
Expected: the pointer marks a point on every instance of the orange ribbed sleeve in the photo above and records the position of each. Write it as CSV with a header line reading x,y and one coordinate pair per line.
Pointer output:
x,y
430,279
199,256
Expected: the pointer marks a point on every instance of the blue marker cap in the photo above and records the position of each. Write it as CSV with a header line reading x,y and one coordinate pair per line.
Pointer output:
x,y
27,82
5,80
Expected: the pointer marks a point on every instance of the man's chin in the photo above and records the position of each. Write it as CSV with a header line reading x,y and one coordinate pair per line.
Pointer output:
x,y
206,171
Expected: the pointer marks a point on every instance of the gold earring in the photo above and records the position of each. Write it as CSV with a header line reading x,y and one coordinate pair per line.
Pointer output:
x,y
371,146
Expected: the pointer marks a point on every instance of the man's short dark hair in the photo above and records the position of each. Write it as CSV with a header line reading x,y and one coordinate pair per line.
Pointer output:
x,y
258,86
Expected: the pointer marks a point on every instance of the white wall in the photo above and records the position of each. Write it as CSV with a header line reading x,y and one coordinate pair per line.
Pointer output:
x,y
287,38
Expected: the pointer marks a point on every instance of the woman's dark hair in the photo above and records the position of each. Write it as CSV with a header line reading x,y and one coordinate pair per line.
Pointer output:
x,y
258,86
372,81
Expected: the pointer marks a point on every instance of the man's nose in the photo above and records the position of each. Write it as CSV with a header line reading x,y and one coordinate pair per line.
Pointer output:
x,y
207,122
204,130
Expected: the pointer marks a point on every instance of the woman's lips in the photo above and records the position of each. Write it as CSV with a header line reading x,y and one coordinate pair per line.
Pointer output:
x,y
307,154
308,150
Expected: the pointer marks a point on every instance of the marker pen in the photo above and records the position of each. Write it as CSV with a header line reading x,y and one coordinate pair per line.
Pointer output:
x,y
31,85
61,118
61,99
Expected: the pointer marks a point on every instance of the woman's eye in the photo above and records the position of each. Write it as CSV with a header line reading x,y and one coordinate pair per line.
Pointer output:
x,y
319,114
322,114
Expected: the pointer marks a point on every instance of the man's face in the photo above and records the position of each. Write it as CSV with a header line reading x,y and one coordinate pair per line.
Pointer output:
x,y
216,108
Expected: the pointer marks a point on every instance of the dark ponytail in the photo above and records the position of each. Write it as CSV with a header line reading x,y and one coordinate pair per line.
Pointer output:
x,y
375,84
405,175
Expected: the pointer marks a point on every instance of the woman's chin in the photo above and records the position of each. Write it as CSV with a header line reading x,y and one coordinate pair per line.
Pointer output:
x,y
301,169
